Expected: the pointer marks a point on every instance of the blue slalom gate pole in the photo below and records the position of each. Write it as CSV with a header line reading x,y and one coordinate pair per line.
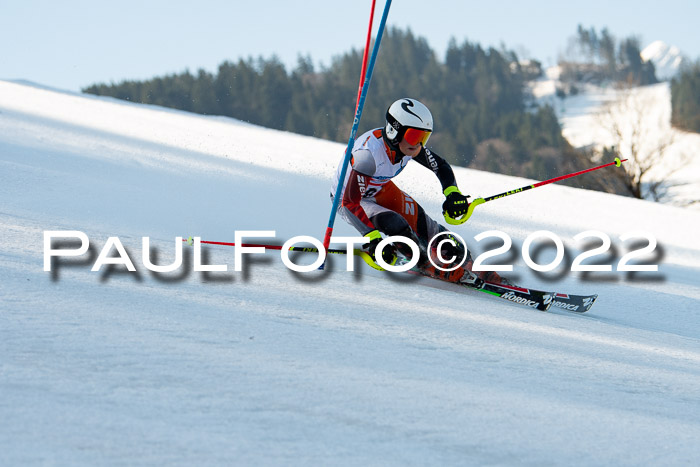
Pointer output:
x,y
355,125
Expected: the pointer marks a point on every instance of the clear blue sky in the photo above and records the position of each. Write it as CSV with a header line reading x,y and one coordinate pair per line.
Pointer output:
x,y
70,44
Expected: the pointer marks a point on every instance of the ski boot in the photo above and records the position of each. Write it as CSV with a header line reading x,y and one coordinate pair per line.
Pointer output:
x,y
486,276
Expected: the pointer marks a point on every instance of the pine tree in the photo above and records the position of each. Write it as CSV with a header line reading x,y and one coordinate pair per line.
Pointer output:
x,y
685,99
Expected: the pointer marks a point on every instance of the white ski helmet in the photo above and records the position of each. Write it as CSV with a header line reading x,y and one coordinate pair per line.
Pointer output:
x,y
408,119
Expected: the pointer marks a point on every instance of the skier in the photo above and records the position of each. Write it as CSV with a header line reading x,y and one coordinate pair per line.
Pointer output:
x,y
374,205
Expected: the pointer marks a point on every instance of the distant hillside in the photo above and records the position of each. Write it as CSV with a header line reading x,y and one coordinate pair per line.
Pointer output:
x,y
599,57
634,123
475,94
685,98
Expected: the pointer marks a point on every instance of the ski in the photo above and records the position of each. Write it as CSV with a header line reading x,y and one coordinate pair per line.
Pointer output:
x,y
532,298
537,299
576,303
567,302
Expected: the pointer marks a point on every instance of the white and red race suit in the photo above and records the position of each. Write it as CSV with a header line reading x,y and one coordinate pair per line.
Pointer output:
x,y
368,191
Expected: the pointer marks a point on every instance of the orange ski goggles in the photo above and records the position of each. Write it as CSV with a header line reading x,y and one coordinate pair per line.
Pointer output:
x,y
413,136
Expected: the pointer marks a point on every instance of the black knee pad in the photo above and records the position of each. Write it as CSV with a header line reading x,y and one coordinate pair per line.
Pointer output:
x,y
406,250
390,223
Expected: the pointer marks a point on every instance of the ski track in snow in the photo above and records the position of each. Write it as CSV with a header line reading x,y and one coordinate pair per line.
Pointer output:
x,y
267,366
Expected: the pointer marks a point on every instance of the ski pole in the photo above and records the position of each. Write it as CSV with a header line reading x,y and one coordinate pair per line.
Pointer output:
x,y
478,201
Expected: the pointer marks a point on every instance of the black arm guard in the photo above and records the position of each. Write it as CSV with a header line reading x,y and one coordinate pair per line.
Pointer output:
x,y
439,166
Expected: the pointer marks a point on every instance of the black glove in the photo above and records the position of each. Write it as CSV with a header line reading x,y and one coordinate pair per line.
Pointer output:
x,y
456,204
389,251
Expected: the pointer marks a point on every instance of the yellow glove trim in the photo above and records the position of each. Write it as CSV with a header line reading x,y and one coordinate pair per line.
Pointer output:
x,y
374,235
451,189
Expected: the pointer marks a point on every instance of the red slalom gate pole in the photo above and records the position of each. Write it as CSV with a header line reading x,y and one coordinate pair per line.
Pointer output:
x,y
190,242
365,56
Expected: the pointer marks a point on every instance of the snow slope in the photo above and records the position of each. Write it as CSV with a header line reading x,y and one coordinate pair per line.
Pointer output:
x,y
266,366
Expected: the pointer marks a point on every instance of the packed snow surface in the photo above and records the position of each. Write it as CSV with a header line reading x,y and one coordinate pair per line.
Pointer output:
x,y
267,366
